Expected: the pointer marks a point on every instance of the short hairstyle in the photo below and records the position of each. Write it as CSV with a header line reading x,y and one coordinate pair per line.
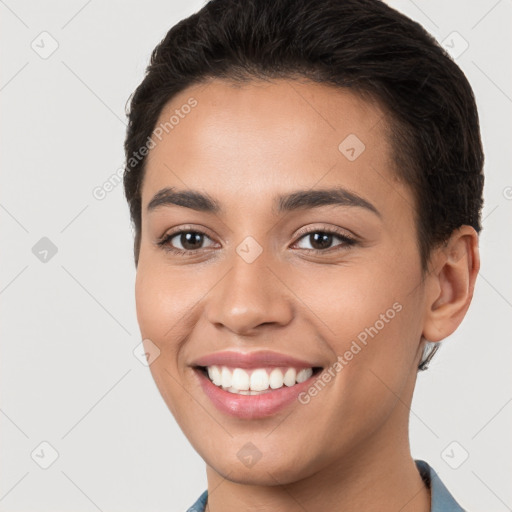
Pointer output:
x,y
359,45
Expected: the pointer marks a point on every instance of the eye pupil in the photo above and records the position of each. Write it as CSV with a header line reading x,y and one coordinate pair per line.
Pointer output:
x,y
188,239
324,240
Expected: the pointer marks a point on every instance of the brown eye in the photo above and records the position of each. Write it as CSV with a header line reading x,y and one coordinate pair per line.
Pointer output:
x,y
322,240
190,240
183,241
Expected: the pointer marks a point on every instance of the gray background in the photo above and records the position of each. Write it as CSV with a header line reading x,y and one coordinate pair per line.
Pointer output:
x,y
69,374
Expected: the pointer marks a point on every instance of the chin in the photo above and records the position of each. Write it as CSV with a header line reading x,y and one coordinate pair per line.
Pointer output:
x,y
276,469
260,474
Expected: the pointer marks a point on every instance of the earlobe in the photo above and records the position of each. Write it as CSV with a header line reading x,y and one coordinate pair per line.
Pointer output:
x,y
450,283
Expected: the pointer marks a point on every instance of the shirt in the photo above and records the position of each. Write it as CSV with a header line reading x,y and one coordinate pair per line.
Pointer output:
x,y
441,499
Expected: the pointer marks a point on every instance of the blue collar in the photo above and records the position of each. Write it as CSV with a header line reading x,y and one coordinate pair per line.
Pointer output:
x,y
441,499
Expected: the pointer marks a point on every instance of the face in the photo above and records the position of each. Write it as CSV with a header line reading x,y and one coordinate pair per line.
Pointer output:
x,y
296,253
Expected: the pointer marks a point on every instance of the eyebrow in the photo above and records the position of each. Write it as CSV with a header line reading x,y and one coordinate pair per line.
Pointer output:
x,y
299,200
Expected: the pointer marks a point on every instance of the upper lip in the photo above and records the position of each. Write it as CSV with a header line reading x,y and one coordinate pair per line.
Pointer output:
x,y
257,359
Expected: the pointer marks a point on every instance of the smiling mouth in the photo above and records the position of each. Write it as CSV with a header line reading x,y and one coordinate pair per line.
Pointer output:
x,y
256,381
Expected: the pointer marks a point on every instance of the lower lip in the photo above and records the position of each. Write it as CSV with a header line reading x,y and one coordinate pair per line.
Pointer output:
x,y
252,406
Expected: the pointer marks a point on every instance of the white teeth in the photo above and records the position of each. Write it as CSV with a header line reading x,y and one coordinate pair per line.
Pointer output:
x,y
304,374
289,377
276,378
257,381
215,375
240,379
226,377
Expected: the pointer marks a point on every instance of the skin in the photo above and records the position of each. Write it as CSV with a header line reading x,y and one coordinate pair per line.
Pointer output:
x,y
260,140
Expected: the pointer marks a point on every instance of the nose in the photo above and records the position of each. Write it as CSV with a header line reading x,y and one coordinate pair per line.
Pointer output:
x,y
249,296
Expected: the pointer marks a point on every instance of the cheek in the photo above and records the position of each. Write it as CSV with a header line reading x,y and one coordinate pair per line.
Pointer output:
x,y
165,309
166,302
152,308
373,326
362,303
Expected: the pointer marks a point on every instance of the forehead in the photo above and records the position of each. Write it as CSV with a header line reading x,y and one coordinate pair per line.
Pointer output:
x,y
261,138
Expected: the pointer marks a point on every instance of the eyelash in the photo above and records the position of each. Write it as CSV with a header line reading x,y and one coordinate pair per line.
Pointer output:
x,y
348,241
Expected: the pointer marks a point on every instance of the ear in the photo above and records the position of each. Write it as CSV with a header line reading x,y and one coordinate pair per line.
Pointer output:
x,y
450,283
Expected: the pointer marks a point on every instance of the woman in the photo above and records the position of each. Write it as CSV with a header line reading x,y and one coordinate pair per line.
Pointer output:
x,y
305,182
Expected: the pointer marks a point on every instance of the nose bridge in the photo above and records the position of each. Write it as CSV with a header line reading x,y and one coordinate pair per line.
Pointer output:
x,y
249,294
